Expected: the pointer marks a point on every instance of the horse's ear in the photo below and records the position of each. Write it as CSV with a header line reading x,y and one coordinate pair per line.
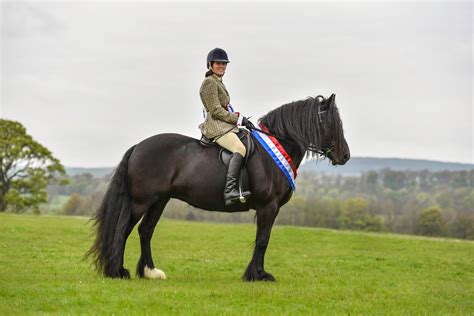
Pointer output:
x,y
328,102
332,100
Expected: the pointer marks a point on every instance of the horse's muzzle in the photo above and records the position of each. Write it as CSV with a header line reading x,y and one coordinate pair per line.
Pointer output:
x,y
341,161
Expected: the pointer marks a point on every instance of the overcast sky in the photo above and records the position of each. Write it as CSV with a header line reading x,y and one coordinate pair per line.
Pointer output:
x,y
89,79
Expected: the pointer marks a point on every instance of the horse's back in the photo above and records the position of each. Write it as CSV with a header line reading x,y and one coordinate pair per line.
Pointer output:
x,y
173,164
161,151
178,166
159,141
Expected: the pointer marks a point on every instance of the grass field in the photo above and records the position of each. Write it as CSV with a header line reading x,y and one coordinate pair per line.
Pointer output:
x,y
318,271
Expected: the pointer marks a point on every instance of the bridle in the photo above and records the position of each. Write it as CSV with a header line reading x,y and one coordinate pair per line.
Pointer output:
x,y
324,153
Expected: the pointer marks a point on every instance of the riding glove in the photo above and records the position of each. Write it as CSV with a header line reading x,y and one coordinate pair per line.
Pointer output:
x,y
249,125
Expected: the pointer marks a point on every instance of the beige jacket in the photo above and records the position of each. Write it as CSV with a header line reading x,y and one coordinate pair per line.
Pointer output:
x,y
215,98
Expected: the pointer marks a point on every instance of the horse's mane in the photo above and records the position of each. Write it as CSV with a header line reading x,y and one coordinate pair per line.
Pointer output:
x,y
300,122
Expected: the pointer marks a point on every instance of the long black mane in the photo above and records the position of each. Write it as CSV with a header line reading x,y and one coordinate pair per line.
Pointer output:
x,y
304,122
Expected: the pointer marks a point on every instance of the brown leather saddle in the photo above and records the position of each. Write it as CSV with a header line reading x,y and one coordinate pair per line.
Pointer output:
x,y
224,154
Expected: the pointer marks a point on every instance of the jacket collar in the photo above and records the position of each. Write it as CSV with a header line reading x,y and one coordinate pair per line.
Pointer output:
x,y
219,80
217,77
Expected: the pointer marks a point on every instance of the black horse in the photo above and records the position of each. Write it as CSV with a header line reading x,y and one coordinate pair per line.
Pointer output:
x,y
168,166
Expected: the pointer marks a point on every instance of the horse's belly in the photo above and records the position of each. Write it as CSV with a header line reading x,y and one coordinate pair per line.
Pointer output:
x,y
201,184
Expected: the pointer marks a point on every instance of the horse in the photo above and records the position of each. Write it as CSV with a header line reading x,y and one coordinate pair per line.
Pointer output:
x,y
168,166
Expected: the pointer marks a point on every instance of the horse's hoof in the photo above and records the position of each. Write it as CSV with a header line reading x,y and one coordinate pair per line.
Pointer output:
x,y
266,277
258,276
124,274
154,273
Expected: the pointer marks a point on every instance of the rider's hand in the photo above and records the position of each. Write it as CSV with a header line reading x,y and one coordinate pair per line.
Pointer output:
x,y
249,125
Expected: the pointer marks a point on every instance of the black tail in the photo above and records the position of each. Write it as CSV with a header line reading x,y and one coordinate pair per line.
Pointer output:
x,y
112,220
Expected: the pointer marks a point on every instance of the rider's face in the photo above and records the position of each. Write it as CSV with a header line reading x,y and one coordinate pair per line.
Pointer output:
x,y
218,68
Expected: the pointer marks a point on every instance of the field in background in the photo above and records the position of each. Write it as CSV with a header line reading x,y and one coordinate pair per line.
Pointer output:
x,y
318,271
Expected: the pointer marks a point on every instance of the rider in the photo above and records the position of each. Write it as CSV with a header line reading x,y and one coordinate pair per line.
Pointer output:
x,y
221,123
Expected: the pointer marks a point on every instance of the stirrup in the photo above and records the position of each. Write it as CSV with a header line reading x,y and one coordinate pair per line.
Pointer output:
x,y
242,198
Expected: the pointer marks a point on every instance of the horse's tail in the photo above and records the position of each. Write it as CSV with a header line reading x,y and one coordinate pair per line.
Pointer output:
x,y
112,220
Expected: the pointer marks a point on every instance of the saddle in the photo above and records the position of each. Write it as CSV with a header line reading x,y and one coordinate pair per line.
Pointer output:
x,y
224,154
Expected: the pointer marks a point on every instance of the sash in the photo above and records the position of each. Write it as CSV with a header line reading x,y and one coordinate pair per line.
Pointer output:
x,y
278,153
230,109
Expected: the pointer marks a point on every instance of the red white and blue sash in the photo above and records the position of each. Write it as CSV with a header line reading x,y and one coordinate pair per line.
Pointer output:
x,y
278,154
230,109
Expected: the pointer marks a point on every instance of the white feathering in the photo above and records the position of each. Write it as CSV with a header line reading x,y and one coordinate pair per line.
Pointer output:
x,y
154,273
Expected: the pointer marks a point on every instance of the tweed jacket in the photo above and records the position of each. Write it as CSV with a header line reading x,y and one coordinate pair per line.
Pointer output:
x,y
215,98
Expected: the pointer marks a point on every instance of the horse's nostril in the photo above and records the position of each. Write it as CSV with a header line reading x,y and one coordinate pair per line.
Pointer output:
x,y
347,157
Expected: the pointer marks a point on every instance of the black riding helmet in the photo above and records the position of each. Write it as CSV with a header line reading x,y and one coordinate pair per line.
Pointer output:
x,y
217,54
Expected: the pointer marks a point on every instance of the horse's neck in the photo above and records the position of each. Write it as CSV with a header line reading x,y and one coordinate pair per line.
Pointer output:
x,y
295,153
292,149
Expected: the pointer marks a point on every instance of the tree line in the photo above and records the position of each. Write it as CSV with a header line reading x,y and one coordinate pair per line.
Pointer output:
x,y
407,202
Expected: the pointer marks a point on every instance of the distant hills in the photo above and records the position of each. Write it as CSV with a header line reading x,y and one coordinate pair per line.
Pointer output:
x,y
355,166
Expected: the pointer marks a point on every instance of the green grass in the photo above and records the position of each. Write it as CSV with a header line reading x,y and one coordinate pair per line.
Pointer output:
x,y
318,271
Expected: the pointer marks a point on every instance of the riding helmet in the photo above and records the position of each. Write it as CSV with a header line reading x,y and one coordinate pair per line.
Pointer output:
x,y
217,54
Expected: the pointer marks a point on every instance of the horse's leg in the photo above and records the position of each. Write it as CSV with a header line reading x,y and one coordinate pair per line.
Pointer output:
x,y
265,219
137,213
146,267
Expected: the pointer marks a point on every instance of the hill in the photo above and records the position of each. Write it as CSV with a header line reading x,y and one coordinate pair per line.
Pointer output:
x,y
96,172
318,271
355,166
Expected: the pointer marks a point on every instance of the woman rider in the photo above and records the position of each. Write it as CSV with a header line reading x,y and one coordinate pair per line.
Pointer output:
x,y
221,125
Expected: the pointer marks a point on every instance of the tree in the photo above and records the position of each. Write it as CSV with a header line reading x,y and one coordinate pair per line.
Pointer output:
x,y
393,179
26,168
371,179
430,222
355,215
463,226
73,205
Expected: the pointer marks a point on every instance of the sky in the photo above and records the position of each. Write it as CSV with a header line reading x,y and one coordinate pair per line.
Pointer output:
x,y
90,79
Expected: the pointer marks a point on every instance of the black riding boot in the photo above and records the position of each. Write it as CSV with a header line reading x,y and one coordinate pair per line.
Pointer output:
x,y
231,192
